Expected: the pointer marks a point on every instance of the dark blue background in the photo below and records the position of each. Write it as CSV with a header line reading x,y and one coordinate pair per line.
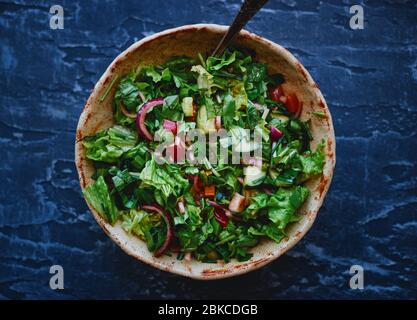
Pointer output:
x,y
369,80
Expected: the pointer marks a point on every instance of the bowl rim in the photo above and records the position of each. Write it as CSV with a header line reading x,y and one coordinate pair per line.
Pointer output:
x,y
324,187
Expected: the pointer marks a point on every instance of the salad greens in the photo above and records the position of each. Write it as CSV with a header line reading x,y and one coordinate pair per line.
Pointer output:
x,y
211,211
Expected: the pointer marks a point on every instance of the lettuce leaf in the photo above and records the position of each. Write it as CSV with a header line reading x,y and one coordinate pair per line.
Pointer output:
x,y
257,202
312,163
98,196
204,79
109,145
166,178
137,156
146,226
228,111
239,95
216,64
269,230
283,204
128,92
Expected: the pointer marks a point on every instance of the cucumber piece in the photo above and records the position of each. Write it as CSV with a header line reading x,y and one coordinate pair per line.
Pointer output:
x,y
187,106
285,179
280,117
203,123
241,140
253,176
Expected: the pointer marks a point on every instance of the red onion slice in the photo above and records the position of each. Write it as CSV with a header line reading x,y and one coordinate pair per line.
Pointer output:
x,y
275,134
170,126
221,217
170,229
127,113
140,117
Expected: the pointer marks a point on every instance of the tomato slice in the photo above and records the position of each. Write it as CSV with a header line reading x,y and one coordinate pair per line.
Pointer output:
x,y
293,104
275,93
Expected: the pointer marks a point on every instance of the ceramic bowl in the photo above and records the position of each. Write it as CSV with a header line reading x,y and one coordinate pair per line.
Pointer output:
x,y
190,40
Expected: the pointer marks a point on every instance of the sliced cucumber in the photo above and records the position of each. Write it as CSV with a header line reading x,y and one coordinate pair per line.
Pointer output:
x,y
253,176
283,179
203,123
187,106
241,140
280,117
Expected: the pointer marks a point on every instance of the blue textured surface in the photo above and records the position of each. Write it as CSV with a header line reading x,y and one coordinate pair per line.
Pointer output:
x,y
368,77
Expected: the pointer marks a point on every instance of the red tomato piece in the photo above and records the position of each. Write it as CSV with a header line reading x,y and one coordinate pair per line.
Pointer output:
x,y
275,93
293,104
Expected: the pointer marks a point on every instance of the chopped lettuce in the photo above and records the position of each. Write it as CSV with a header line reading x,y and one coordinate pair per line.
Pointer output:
x,y
232,88
312,163
128,92
146,226
166,178
216,64
204,80
98,196
283,204
269,230
109,145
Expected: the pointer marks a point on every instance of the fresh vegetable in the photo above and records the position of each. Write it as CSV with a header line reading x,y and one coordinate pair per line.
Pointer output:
x,y
208,211
140,118
209,191
203,122
276,92
237,204
292,103
169,233
275,133
170,126
254,176
98,196
188,106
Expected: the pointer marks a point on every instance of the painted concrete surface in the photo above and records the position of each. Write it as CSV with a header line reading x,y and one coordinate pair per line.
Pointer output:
x,y
368,77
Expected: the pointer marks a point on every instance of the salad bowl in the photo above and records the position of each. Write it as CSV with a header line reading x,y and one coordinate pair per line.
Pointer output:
x,y
189,41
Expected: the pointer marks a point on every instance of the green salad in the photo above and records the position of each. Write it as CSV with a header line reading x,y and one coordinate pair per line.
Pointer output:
x,y
208,210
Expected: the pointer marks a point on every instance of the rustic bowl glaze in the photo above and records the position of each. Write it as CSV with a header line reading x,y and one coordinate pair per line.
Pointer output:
x,y
190,40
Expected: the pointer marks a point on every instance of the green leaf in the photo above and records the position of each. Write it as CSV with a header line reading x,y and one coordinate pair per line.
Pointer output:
x,y
256,72
204,79
313,162
228,111
98,196
166,74
145,225
152,73
214,63
240,96
252,116
257,202
166,178
109,145
137,156
269,230
127,92
171,102
284,203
